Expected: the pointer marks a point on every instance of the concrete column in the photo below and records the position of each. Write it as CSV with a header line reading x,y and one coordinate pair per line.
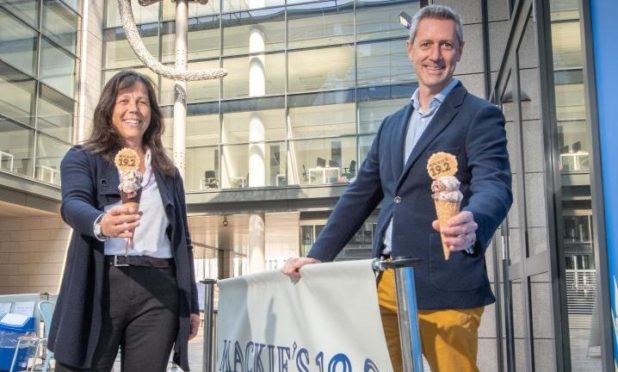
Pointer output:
x,y
256,252
257,88
180,87
91,33
226,255
257,151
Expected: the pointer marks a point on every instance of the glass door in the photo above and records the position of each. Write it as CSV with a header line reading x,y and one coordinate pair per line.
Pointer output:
x,y
548,278
575,223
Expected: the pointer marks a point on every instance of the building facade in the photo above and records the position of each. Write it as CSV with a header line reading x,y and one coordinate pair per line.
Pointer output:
x,y
270,147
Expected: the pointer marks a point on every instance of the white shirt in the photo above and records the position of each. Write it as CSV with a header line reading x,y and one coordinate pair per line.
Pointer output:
x,y
150,238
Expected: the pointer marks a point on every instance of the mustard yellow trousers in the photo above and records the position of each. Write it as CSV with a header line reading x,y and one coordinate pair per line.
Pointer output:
x,y
449,337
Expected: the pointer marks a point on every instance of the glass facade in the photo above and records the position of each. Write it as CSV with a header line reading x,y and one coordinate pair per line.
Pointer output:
x,y
38,67
575,148
309,83
548,261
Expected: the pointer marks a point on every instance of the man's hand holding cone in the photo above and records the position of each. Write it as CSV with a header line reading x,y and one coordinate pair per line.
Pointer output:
x,y
447,198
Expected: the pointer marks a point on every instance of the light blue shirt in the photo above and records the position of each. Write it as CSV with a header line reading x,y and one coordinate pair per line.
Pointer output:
x,y
419,121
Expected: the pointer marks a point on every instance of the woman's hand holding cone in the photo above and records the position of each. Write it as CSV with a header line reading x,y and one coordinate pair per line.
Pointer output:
x,y
120,222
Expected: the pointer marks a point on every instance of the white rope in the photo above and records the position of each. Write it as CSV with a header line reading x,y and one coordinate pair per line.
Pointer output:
x,y
134,39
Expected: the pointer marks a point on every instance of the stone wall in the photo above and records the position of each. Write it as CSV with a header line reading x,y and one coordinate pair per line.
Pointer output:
x,y
32,254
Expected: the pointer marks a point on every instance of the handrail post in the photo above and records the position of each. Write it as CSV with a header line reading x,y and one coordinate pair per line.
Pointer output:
x,y
209,310
407,310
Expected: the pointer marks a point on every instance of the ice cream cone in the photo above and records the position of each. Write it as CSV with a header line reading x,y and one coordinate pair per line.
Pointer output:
x,y
127,161
445,192
445,210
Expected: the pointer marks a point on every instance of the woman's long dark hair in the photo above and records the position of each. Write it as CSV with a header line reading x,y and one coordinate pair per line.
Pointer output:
x,y
105,139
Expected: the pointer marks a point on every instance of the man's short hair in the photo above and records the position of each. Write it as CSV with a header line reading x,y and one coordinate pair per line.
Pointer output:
x,y
437,12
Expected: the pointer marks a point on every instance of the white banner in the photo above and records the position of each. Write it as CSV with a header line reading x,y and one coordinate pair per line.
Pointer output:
x,y
328,321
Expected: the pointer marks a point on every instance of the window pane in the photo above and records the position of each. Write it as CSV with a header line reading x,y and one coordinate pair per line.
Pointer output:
x,y
141,14
197,91
253,126
254,165
57,68
573,139
235,166
324,23
384,63
26,10
254,76
17,99
364,145
275,165
566,41
49,154
202,130
236,5
254,32
321,69
322,121
371,113
74,4
196,9
119,54
322,161
60,24
377,20
55,115
16,146
204,40
18,44
202,168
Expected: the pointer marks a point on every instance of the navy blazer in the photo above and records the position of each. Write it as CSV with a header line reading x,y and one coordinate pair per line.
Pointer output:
x,y
473,130
89,183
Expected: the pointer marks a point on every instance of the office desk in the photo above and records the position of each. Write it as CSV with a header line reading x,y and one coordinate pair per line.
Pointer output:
x,y
321,175
6,157
575,161
281,180
239,181
48,174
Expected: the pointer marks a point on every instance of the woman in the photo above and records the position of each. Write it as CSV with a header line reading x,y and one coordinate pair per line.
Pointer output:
x,y
129,279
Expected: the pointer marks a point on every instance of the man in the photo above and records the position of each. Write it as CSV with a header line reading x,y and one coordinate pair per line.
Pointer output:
x,y
442,116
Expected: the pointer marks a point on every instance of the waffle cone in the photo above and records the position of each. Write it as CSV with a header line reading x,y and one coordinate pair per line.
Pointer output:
x,y
132,204
445,210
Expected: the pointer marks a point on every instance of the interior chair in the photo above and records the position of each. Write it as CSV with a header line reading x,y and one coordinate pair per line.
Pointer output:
x,y
350,172
46,310
321,162
210,179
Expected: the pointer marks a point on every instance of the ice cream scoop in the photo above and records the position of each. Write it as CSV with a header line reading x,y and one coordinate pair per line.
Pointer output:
x,y
446,188
130,187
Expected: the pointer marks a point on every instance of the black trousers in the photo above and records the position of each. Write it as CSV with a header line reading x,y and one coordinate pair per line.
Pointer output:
x,y
140,316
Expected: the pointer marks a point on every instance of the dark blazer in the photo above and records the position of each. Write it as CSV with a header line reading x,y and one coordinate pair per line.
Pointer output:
x,y
466,126
89,183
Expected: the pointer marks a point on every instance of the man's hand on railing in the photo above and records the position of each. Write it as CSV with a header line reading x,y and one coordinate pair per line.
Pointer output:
x,y
292,265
